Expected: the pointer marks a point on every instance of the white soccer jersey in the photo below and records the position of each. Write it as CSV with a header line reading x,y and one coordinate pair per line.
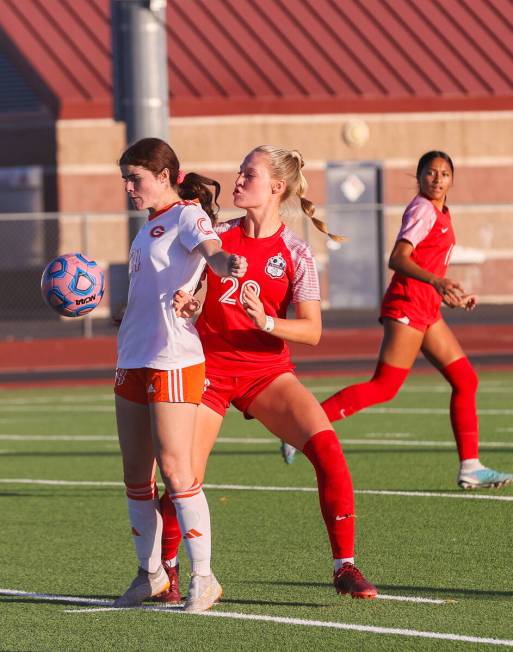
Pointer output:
x,y
162,260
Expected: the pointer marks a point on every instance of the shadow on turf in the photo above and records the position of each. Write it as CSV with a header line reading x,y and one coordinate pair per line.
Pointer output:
x,y
413,590
26,600
275,603
261,603
240,453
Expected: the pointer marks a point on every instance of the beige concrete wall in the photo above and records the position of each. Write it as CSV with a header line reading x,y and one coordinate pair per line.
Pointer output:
x,y
480,143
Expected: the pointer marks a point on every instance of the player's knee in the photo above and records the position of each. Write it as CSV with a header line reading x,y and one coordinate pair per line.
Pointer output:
x,y
176,480
472,379
387,381
387,391
324,450
462,376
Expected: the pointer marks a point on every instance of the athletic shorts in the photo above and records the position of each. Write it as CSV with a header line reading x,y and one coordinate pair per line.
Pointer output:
x,y
157,386
241,391
418,321
417,306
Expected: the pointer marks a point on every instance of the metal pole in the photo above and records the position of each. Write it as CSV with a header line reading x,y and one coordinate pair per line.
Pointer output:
x,y
145,55
140,71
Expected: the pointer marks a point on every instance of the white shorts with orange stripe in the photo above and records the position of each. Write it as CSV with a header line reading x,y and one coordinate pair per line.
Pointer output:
x,y
161,386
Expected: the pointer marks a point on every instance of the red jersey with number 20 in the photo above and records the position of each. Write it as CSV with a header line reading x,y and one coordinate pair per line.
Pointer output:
x,y
430,232
282,270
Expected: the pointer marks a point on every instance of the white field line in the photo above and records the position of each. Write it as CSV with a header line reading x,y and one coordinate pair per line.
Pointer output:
x,y
398,410
485,387
110,408
81,407
366,629
243,487
416,389
64,398
58,438
267,441
107,604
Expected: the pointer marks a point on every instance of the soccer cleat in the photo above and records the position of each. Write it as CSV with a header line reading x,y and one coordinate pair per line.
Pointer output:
x,y
146,585
349,579
172,595
288,452
204,591
484,479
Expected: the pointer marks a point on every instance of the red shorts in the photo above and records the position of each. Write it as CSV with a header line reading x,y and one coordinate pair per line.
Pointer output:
x,y
418,321
241,391
157,386
412,303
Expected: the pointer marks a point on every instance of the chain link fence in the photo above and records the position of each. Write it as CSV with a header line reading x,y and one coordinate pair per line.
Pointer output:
x,y
28,241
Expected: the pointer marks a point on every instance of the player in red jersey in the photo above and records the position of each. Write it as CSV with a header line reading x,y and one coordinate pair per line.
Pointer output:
x,y
412,321
244,332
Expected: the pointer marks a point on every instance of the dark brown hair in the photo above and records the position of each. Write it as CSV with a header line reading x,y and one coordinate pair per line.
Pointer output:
x,y
155,155
426,159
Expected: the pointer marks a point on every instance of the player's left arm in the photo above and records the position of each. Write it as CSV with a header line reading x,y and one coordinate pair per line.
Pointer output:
x,y
306,328
221,262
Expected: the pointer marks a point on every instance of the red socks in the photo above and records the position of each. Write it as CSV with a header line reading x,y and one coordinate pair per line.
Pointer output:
x,y
171,535
382,387
387,381
335,490
463,379
335,496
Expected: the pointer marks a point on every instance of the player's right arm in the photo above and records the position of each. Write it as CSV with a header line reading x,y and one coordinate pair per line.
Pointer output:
x,y
221,262
401,261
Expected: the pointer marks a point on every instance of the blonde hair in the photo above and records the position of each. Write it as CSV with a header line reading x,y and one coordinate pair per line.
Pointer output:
x,y
287,165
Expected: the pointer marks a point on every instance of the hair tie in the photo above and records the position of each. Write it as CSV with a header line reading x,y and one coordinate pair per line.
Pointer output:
x,y
180,177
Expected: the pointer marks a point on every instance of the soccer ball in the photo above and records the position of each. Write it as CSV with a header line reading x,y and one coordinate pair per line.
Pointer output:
x,y
72,285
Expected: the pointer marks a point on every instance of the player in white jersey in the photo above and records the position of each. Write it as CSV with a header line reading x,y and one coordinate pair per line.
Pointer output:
x,y
160,370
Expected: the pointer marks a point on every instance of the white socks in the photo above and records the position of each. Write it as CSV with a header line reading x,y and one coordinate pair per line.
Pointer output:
x,y
338,563
468,466
146,524
194,519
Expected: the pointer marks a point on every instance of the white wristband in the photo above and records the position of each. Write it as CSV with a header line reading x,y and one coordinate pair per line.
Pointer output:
x,y
268,327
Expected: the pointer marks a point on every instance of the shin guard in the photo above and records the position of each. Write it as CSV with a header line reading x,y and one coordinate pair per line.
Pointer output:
x,y
335,490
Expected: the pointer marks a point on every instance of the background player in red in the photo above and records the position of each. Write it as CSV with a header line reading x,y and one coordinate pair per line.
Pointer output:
x,y
244,330
412,321
160,369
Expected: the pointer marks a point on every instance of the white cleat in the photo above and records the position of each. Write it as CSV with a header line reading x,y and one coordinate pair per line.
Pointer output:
x,y
484,479
288,452
204,591
146,585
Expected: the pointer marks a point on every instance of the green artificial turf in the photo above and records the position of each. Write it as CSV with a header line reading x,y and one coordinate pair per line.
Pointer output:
x,y
270,550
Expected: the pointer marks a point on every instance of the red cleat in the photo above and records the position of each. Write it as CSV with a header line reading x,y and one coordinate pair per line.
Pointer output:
x,y
349,579
172,595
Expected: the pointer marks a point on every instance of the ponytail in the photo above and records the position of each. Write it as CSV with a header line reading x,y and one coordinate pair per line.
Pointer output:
x,y
307,206
309,209
287,164
196,186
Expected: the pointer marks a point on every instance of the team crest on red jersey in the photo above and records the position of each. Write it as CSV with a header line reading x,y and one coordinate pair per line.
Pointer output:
x,y
275,266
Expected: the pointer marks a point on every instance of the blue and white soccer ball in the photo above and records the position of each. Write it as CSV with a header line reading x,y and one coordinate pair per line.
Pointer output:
x,y
72,285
